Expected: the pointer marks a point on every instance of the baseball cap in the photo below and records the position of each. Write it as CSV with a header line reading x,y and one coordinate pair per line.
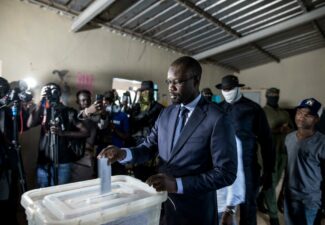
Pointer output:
x,y
313,105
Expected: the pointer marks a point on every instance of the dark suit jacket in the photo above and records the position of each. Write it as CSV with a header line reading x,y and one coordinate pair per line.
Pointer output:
x,y
204,157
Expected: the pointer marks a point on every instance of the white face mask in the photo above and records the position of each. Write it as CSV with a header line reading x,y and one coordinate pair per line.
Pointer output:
x,y
231,96
112,108
109,108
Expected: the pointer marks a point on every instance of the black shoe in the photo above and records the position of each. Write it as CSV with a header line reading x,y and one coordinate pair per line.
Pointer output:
x,y
274,221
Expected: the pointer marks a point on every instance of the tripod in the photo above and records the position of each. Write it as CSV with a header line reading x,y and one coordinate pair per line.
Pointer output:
x,y
15,110
54,144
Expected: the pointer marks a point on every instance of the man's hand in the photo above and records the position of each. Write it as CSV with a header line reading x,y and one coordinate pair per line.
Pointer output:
x,y
227,218
162,182
56,130
95,108
113,153
284,129
29,107
44,91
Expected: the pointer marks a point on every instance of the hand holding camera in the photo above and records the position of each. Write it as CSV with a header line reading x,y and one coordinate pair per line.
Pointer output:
x,y
56,130
96,107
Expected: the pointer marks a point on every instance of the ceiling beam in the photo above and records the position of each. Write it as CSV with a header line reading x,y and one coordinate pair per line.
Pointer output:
x,y
113,28
200,12
299,20
90,13
217,63
267,53
307,7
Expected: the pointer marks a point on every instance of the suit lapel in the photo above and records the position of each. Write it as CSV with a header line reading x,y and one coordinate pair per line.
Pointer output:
x,y
194,121
172,124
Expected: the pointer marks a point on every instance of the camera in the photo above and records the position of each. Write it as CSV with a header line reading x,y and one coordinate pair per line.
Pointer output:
x,y
52,93
17,94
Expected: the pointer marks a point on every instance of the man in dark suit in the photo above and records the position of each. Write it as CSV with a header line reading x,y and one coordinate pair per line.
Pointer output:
x,y
194,160
252,129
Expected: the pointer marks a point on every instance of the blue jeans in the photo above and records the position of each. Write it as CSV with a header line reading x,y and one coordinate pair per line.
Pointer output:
x,y
296,213
44,172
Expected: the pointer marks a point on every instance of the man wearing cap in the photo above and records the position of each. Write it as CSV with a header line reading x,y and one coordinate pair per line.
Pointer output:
x,y
306,156
146,110
280,124
196,147
143,117
251,127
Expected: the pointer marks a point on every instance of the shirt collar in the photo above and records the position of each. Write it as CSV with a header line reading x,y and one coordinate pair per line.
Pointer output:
x,y
191,106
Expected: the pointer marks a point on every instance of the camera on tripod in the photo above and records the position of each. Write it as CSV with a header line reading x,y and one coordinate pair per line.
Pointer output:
x,y
17,94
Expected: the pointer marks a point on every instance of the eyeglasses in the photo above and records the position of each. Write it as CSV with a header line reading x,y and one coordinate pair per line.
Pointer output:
x,y
178,82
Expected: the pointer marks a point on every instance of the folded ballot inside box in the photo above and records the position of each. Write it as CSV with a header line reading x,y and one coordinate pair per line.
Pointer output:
x,y
129,202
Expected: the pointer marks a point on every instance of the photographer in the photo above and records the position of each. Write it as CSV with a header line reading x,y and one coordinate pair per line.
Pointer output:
x,y
11,166
94,117
59,128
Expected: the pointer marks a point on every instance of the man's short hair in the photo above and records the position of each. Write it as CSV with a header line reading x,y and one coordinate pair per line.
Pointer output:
x,y
109,96
190,65
84,91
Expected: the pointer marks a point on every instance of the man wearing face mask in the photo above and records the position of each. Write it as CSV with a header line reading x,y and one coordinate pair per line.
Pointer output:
x,y
251,127
144,115
281,125
117,131
119,121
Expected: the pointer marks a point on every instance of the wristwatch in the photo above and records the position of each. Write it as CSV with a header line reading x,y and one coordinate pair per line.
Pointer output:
x,y
231,210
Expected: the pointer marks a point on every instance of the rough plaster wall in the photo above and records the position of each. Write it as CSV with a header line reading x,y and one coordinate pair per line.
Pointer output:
x,y
37,41
297,77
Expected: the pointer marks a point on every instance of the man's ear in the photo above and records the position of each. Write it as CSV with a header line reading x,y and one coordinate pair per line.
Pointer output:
x,y
197,80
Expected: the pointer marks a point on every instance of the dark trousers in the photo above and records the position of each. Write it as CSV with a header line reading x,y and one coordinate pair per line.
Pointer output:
x,y
297,213
248,208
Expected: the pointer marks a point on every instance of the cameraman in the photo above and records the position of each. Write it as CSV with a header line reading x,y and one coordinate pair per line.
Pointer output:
x,y
66,127
9,160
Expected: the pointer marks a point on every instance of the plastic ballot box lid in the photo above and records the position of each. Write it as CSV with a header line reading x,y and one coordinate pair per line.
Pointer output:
x,y
130,202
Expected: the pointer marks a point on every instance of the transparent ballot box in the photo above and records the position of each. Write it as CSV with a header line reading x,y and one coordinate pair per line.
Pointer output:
x,y
130,202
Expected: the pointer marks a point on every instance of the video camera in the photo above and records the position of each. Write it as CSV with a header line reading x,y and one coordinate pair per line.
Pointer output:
x,y
19,93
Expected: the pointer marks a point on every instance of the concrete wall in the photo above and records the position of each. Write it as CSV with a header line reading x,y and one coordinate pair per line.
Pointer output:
x,y
297,77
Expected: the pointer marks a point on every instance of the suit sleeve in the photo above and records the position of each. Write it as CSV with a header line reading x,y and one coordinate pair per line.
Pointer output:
x,y
148,149
224,161
265,140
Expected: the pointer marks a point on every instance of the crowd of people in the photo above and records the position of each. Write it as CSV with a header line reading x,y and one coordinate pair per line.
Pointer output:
x,y
204,154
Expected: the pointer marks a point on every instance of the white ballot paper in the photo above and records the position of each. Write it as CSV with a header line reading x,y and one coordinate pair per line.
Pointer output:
x,y
105,173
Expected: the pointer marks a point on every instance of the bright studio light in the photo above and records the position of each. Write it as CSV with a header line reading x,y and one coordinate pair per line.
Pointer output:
x,y
31,82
